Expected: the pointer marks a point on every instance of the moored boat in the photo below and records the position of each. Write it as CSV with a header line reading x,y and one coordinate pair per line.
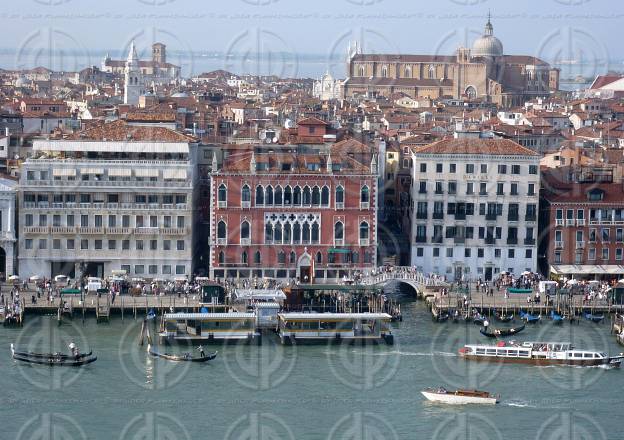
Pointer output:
x,y
504,318
539,353
529,318
556,317
594,318
185,357
502,333
53,359
459,397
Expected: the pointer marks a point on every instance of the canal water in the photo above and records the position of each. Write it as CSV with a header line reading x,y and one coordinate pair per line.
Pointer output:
x,y
302,392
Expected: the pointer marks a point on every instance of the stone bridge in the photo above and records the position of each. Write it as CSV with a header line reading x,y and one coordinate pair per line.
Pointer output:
x,y
404,274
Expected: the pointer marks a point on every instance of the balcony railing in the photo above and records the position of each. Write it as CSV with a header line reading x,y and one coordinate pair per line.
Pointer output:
x,y
88,230
459,240
512,240
364,205
339,205
570,222
109,206
421,215
580,222
63,230
118,231
36,229
490,216
558,244
530,218
512,217
559,222
438,215
490,240
338,242
580,245
420,239
221,241
245,241
364,242
460,216
246,204
437,240
529,241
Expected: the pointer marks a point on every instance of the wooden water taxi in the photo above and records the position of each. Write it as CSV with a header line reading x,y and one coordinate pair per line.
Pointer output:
x,y
539,353
459,397
209,327
352,327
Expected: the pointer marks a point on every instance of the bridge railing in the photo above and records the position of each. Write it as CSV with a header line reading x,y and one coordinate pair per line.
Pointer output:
x,y
403,273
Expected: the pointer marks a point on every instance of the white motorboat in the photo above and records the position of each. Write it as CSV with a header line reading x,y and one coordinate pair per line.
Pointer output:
x,y
459,397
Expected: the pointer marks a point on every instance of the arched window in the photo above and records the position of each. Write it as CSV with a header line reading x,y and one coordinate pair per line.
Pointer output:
x,y
287,196
307,196
268,233
268,197
316,196
221,257
222,196
278,196
221,230
277,233
339,194
339,231
364,231
306,233
259,195
365,194
384,71
319,257
362,71
297,196
315,233
281,257
297,233
325,196
293,257
257,258
287,234
244,230
244,257
246,193
355,257
408,72
431,72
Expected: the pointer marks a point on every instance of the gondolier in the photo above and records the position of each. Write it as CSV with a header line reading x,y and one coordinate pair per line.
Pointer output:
x,y
201,351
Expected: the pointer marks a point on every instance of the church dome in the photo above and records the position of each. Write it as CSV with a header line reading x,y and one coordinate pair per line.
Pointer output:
x,y
488,45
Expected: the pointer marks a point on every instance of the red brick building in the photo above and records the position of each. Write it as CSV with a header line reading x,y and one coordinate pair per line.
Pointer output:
x,y
582,223
294,213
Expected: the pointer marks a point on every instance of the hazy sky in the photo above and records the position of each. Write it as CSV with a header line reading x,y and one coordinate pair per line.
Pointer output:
x,y
585,30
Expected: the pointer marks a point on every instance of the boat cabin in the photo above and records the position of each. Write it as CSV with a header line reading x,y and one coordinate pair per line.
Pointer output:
x,y
337,326
209,326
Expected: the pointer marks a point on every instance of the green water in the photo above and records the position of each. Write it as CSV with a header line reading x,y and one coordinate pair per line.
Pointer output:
x,y
302,392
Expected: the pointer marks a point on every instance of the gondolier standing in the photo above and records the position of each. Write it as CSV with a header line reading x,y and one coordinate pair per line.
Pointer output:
x,y
74,349
201,351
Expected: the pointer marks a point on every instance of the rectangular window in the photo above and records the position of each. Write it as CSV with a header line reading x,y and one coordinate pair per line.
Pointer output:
x,y
423,167
484,168
467,253
452,187
502,169
469,188
125,221
449,252
139,221
500,189
43,220
70,243
112,221
180,222
515,169
605,253
28,243
511,253
153,221
167,245
514,189
139,245
180,269
84,221
153,269
480,253
97,244
56,243
420,252
532,169
84,244
452,168
98,221
180,245
436,252
438,168
112,244
618,254
531,191
125,245
56,220
166,269
43,243
139,269
470,168
28,220
167,221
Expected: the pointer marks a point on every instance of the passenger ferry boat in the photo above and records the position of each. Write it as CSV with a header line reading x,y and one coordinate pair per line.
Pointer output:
x,y
371,327
539,353
209,327
459,397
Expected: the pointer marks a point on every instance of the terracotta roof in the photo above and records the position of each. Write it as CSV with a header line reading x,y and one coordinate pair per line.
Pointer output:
x,y
603,80
120,131
502,147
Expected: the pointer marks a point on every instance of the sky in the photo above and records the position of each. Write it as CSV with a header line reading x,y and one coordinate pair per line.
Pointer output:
x,y
64,33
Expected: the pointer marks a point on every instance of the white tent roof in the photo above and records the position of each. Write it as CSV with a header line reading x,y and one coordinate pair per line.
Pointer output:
x,y
586,269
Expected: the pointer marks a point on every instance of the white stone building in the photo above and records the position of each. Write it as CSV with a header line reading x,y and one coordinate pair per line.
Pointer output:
x,y
327,88
8,195
109,198
474,208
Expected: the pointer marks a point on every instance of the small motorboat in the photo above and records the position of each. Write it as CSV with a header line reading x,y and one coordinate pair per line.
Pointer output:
x,y
594,318
30,354
529,318
504,318
556,317
459,397
502,333
185,357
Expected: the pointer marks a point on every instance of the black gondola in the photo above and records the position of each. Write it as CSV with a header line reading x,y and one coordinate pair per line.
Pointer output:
x,y
55,361
504,318
186,357
441,317
501,333
31,354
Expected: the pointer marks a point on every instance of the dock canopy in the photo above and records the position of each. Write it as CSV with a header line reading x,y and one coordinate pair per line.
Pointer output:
x,y
333,316
211,316
273,295
586,269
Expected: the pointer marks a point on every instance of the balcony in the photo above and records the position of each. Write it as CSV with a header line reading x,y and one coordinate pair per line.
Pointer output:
x,y
146,231
438,192
512,240
222,204
422,191
437,240
118,231
339,205
173,231
530,218
559,222
438,216
364,242
558,244
529,242
580,222
570,222
491,216
338,242
460,216
63,230
245,241
490,240
513,217
459,240
364,205
88,230
246,204
421,215
420,239
580,245
221,241
36,229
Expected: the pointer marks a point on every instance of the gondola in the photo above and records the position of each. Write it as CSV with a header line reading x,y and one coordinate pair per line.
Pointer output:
x,y
504,318
530,319
594,318
441,317
30,354
501,333
556,317
186,357
478,319
56,361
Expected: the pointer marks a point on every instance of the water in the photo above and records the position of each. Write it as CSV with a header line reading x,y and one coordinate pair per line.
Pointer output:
x,y
302,392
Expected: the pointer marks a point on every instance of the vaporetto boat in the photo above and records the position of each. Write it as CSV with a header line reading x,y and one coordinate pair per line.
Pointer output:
x,y
539,353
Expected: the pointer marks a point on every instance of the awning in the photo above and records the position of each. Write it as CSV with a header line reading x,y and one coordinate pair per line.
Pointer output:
x,y
92,170
174,174
338,251
62,172
119,172
146,172
586,269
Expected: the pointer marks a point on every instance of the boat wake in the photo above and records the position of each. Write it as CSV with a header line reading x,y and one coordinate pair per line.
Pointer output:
x,y
413,353
518,404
